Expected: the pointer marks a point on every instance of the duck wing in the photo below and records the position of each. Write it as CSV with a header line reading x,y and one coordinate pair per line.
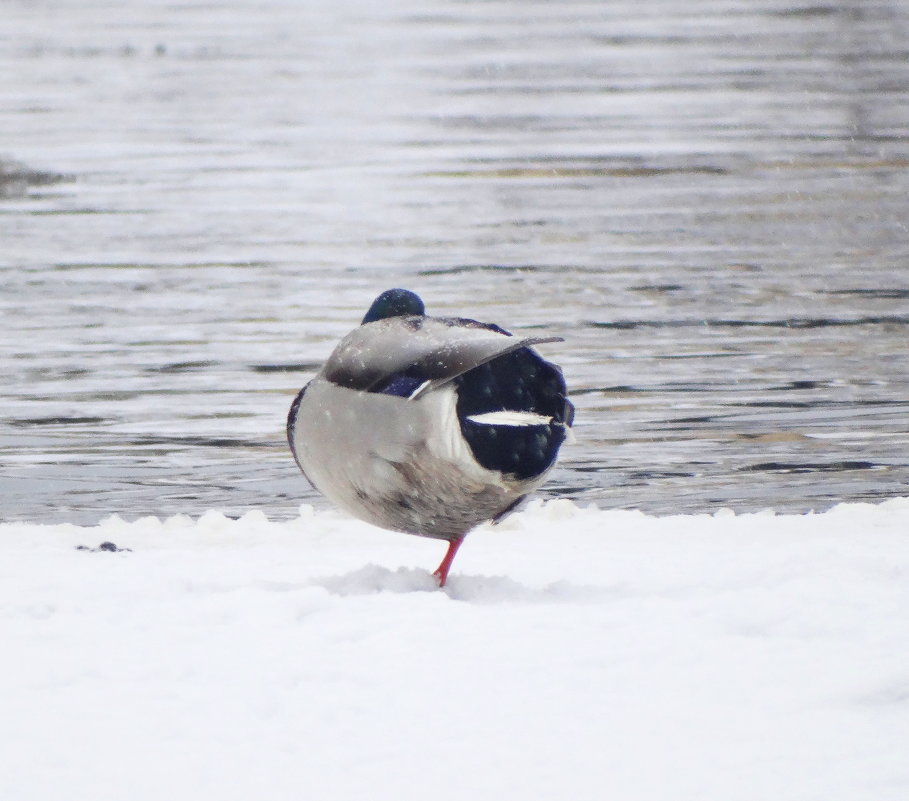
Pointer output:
x,y
409,356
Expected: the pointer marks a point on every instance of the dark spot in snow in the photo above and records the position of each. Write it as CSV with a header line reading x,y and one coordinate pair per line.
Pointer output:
x,y
104,546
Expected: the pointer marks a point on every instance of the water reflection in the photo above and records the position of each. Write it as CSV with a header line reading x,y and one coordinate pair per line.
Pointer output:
x,y
708,202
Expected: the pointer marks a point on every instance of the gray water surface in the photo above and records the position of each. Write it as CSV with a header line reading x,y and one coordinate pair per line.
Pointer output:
x,y
709,201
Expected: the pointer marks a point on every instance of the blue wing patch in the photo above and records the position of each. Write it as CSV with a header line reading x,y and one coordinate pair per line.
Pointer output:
x,y
400,385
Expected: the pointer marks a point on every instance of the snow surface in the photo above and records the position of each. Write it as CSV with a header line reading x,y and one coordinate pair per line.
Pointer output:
x,y
576,654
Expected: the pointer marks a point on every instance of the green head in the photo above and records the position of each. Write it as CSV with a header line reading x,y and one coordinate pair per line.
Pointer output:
x,y
394,303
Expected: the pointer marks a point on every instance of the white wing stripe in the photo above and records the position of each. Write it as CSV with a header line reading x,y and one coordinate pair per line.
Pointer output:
x,y
510,418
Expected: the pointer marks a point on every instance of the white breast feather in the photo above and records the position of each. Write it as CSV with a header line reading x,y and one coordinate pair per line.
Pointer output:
x,y
445,439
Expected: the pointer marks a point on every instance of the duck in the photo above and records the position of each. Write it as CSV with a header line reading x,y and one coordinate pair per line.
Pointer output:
x,y
430,425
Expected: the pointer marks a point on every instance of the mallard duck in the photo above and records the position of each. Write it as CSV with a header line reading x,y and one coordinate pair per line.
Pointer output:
x,y
429,425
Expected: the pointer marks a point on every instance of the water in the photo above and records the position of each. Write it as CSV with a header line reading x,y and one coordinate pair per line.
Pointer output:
x,y
709,201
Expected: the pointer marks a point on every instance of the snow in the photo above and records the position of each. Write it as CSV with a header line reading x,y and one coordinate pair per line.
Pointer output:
x,y
576,653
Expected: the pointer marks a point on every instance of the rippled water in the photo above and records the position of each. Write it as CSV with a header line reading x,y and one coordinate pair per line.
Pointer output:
x,y
708,200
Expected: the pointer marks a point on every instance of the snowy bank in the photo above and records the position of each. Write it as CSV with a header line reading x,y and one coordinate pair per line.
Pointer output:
x,y
576,653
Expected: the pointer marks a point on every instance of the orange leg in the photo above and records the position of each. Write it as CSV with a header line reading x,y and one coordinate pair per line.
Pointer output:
x,y
441,572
